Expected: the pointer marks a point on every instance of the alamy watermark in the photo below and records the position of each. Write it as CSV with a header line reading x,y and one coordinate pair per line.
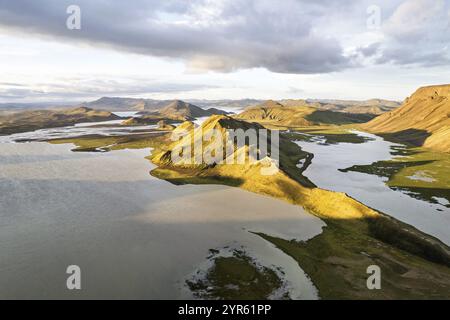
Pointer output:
x,y
73,21
374,280
73,282
373,21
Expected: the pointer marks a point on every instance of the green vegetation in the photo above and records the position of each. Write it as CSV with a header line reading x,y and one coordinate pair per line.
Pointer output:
x,y
414,265
419,172
275,114
237,277
337,261
98,143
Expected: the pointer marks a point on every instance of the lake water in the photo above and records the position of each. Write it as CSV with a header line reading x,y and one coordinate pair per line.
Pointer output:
x,y
372,190
105,128
132,235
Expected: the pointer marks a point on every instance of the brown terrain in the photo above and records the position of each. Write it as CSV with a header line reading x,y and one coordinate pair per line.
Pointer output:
x,y
422,120
39,119
295,113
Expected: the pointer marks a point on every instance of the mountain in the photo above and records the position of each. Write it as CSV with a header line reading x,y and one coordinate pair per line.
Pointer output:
x,y
181,110
229,105
177,110
422,120
126,104
137,104
39,119
146,120
297,113
17,107
372,106
213,135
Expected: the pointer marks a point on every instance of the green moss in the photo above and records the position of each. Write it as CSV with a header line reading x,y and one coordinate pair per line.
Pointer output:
x,y
419,172
97,143
236,278
337,261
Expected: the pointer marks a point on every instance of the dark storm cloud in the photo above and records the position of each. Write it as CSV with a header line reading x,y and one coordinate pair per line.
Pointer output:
x,y
209,35
289,36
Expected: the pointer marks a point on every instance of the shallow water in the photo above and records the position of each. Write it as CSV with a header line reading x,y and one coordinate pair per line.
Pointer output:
x,y
105,128
372,190
126,114
133,236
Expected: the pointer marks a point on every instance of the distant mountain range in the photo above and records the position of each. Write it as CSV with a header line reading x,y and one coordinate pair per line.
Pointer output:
x,y
374,106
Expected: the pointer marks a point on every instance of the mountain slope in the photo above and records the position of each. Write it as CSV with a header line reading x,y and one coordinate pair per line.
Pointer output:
x,y
350,224
296,114
422,120
126,104
181,110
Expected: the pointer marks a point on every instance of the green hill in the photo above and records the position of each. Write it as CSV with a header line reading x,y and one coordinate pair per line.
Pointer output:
x,y
292,115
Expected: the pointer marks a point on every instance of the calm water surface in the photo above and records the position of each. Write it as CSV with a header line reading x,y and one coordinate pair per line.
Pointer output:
x,y
133,236
372,190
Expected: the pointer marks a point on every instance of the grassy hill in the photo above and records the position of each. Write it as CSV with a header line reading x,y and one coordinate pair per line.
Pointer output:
x,y
174,112
355,237
414,264
372,106
296,114
181,110
422,120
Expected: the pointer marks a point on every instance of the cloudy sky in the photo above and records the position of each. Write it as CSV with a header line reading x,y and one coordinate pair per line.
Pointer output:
x,y
216,49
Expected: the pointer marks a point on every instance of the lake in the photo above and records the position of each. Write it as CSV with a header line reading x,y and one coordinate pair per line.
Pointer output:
x,y
372,190
132,235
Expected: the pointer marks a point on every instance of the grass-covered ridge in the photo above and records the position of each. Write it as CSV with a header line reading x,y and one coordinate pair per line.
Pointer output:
x,y
414,265
355,238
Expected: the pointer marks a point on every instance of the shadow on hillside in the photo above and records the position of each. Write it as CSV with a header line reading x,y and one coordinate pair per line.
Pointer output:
x,y
194,179
330,117
385,168
413,137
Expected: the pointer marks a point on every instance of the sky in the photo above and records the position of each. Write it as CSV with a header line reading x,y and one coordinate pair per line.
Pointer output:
x,y
222,49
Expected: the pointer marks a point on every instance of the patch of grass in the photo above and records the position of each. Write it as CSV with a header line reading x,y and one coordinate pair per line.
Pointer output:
x,y
392,232
419,172
337,261
96,143
236,278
